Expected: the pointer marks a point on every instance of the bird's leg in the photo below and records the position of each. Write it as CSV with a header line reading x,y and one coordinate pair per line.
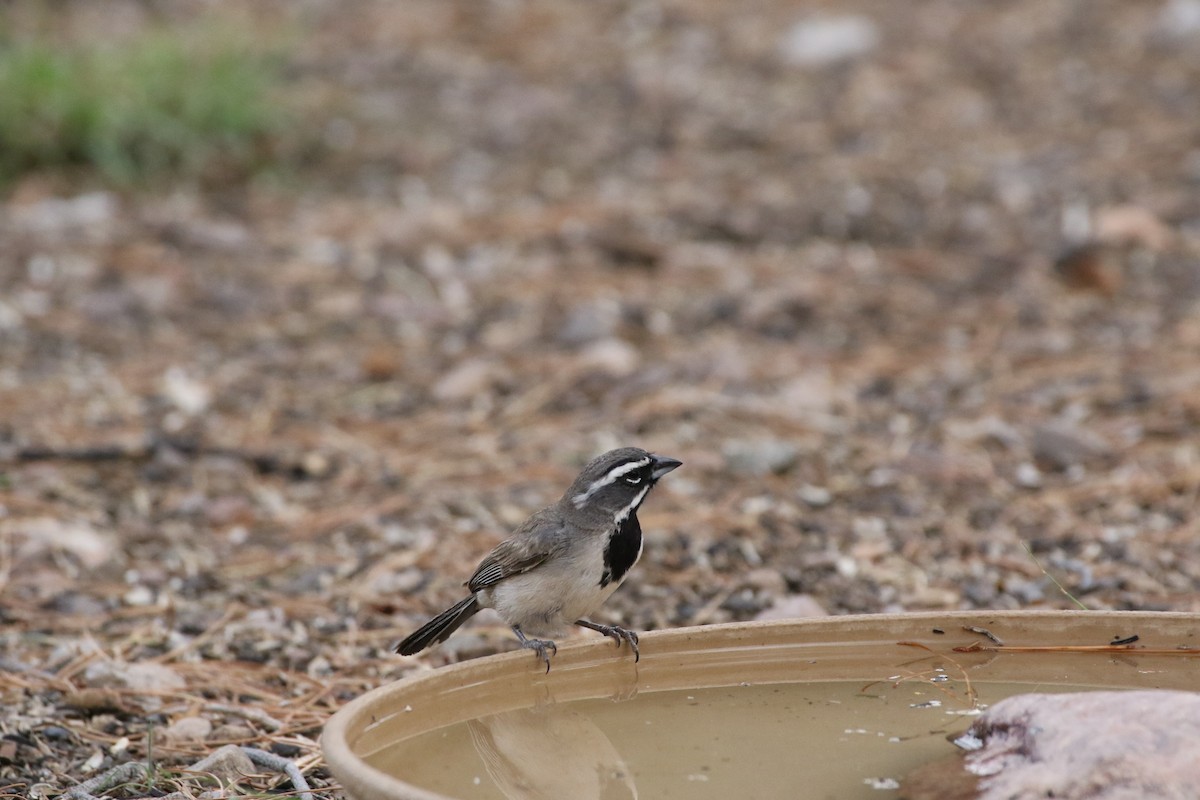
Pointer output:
x,y
543,647
617,633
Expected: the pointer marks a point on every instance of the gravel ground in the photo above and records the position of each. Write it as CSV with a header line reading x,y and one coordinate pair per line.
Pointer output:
x,y
913,290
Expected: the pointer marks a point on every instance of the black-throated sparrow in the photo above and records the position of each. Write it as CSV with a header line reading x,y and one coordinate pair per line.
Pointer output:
x,y
564,561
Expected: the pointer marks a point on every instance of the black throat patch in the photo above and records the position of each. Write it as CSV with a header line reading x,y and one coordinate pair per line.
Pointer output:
x,y
624,547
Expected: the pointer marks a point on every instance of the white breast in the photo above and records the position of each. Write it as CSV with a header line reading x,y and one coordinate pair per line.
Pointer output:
x,y
547,600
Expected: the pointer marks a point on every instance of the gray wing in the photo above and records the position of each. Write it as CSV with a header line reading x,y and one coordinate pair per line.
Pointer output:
x,y
530,545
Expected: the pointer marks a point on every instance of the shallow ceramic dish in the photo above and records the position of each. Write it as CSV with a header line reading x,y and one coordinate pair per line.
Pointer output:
x,y
835,706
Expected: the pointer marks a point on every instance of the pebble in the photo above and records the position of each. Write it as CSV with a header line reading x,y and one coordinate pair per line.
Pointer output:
x,y
316,464
319,667
404,582
145,676
794,606
1028,476
57,215
1027,592
1179,18
285,750
188,729
612,357
590,322
1060,445
228,764
815,496
759,456
232,732
466,380
187,394
138,596
767,579
93,548
822,40
55,733
224,236
743,603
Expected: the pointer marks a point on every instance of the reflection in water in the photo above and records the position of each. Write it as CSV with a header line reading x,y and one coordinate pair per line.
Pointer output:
x,y
550,752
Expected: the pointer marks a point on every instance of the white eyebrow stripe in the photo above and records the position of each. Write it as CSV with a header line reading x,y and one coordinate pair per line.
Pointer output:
x,y
612,476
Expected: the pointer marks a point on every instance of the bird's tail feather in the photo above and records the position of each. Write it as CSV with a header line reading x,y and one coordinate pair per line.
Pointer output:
x,y
440,627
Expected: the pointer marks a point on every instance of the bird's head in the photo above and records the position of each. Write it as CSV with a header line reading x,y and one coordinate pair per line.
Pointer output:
x,y
613,485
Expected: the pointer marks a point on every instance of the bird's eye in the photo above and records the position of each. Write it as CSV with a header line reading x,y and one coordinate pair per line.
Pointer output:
x,y
633,480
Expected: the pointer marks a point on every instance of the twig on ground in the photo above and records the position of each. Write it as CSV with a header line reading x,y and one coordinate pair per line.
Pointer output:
x,y
122,773
272,761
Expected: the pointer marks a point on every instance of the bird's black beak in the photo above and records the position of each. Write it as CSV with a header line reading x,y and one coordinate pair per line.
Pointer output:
x,y
663,465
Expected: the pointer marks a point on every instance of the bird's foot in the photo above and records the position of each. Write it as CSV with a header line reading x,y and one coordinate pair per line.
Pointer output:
x,y
617,633
543,647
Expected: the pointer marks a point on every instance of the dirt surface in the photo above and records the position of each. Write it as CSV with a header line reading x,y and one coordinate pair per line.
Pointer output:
x,y
920,315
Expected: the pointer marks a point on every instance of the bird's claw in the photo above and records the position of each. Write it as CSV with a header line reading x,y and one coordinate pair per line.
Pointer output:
x,y
619,635
543,647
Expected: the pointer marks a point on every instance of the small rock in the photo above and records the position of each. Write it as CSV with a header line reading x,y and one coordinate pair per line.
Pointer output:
x,y
467,645
11,318
611,357
228,764
381,364
812,392
56,733
211,234
148,676
589,322
815,496
94,762
404,582
91,547
466,380
1090,267
981,592
869,528
319,667
1061,445
316,464
285,750
759,456
1028,476
937,465
56,215
1026,592
138,596
758,505
794,606
630,249
96,701
188,729
1133,224
823,40
766,579
187,395
74,603
232,732
1179,18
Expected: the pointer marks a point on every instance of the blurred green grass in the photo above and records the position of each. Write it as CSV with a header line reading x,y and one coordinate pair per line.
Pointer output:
x,y
202,102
